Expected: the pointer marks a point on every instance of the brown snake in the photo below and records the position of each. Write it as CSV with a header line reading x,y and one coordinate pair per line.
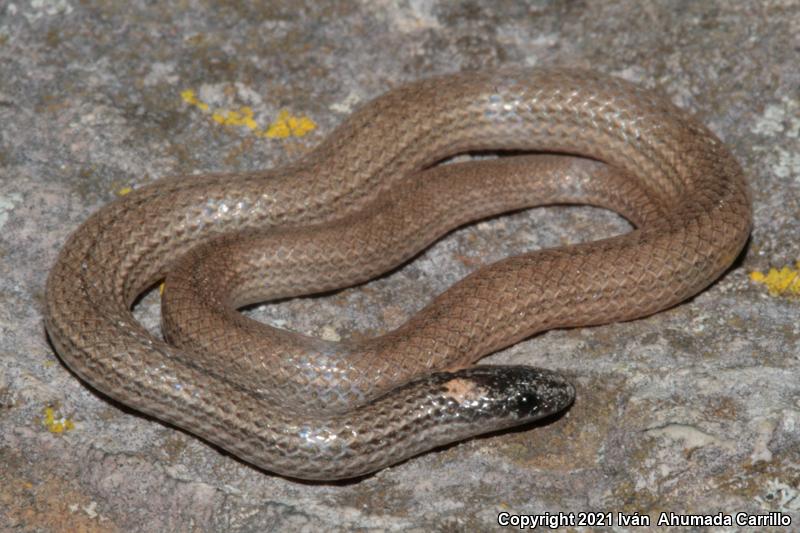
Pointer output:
x,y
365,200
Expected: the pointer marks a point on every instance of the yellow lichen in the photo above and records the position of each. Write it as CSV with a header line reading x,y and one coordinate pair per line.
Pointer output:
x,y
124,190
242,117
56,424
190,98
286,125
785,281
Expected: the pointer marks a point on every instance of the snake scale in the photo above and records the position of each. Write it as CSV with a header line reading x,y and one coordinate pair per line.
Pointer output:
x,y
368,198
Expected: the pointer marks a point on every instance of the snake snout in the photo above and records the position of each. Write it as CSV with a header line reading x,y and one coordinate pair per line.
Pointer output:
x,y
522,393
505,396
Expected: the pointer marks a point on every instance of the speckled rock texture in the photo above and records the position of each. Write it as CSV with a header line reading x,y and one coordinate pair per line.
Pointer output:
x,y
694,410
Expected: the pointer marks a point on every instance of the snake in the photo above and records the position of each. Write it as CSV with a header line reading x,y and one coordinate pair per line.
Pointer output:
x,y
372,195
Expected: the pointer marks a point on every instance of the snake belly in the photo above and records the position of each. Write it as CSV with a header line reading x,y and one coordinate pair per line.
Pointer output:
x,y
365,200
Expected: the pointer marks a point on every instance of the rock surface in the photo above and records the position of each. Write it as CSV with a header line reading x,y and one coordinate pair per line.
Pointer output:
x,y
696,409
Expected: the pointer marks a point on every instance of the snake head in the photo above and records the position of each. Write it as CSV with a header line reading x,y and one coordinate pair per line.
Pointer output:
x,y
503,396
428,412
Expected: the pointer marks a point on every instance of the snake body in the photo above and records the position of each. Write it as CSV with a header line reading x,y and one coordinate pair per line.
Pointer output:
x,y
365,200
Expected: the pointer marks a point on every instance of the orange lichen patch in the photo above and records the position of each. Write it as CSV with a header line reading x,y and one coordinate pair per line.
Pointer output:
x,y
785,281
56,424
286,125
462,390
39,497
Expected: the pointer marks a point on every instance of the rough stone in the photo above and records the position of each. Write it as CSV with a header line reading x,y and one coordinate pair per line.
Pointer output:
x,y
696,409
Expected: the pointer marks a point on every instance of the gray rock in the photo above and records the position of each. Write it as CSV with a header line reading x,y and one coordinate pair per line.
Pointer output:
x,y
696,409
